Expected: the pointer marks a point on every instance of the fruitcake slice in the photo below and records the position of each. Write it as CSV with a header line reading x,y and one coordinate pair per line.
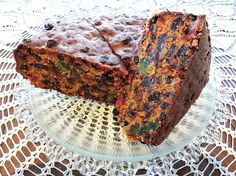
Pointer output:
x,y
167,74
72,58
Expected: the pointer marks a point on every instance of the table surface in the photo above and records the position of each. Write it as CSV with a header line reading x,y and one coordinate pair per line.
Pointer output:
x,y
21,155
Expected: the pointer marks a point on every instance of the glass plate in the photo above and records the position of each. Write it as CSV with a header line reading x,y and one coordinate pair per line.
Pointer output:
x,y
88,127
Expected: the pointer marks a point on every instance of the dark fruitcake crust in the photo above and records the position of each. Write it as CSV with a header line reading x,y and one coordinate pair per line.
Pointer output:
x,y
122,34
77,58
167,74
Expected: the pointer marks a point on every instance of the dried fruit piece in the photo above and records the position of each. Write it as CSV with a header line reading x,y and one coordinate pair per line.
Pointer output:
x,y
170,51
182,51
51,43
48,26
135,129
169,79
162,116
143,65
127,40
155,97
176,23
164,105
146,81
153,125
161,42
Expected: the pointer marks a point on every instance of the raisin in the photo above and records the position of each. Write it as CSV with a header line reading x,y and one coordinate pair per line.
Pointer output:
x,y
22,55
51,43
183,49
24,67
156,80
131,113
106,60
115,112
48,26
155,97
46,82
126,61
124,123
40,66
26,41
186,59
187,29
127,40
176,23
148,114
135,129
153,37
170,51
85,50
36,56
164,105
151,28
133,72
146,106
45,76
60,57
146,81
161,42
154,19
29,50
128,23
144,130
167,94
169,79
136,59
97,23
75,74
162,116
85,89
192,17
107,77
42,52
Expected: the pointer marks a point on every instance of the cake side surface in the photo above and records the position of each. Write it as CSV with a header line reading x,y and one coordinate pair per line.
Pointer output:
x,y
167,74
73,59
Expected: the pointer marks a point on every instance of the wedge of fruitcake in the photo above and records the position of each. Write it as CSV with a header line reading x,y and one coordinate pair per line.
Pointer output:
x,y
167,74
75,59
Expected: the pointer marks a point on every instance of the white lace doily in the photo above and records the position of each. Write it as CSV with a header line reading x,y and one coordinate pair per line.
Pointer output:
x,y
27,150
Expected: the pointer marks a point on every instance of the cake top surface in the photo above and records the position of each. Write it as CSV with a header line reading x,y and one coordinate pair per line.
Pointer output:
x,y
122,33
105,44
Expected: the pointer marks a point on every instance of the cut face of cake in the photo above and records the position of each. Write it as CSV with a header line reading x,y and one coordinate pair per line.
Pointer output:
x,y
166,76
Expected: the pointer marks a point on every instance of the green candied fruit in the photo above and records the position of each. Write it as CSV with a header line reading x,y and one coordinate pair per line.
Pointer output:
x,y
113,95
63,66
153,125
134,129
80,70
143,65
